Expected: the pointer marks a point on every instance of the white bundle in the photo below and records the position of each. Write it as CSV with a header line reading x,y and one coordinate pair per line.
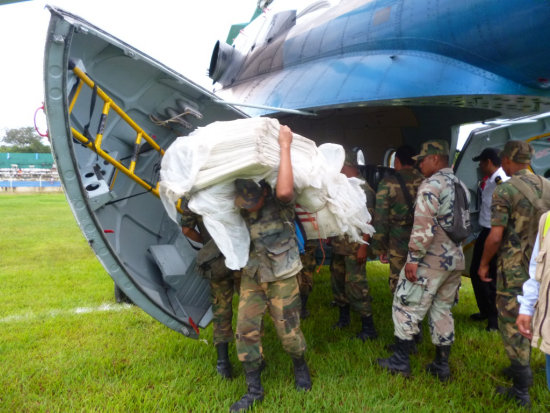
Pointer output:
x,y
224,223
204,165
224,151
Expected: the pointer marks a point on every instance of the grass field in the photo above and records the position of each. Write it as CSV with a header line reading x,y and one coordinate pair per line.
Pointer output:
x,y
66,346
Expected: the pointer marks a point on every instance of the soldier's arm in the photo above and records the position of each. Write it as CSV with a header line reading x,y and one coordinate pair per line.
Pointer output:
x,y
492,244
500,212
284,190
380,239
188,222
192,234
371,198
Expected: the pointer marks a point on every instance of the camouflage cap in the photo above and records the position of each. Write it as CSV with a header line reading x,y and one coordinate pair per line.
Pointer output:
x,y
518,151
247,193
433,147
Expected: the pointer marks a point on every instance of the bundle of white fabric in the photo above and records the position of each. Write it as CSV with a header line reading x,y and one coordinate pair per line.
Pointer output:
x,y
204,165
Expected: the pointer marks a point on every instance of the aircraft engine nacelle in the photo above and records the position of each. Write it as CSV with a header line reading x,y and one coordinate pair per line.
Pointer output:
x,y
224,63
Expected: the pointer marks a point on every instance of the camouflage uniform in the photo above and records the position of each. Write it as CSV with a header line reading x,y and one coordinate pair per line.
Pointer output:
x,y
393,220
440,264
348,278
511,210
269,280
223,281
305,276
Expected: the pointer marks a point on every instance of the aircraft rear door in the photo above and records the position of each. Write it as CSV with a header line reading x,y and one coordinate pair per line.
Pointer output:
x,y
112,111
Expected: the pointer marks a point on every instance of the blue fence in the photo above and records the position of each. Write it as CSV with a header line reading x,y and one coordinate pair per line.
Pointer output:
x,y
29,184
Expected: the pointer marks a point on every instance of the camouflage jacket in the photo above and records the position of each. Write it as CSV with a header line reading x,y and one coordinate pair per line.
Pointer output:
x,y
274,253
392,219
342,245
210,260
511,210
429,245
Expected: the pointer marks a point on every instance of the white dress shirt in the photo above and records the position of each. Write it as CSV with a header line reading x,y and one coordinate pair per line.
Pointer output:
x,y
487,196
531,287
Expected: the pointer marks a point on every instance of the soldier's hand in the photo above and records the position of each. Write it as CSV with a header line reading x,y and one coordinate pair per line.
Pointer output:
x,y
483,273
410,271
384,259
524,325
285,136
362,254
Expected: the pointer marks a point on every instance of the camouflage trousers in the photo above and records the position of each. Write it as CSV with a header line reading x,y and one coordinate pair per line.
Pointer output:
x,y
282,299
435,292
305,276
396,264
518,348
350,285
222,289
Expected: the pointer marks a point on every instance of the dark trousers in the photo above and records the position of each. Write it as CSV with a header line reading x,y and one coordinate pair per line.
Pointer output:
x,y
485,292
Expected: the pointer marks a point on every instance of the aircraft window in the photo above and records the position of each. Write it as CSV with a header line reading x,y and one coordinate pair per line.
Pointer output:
x,y
389,158
360,157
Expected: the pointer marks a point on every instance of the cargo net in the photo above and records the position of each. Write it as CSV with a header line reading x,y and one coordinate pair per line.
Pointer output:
x,y
204,165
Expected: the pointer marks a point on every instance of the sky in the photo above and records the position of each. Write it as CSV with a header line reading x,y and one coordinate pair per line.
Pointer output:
x,y
179,33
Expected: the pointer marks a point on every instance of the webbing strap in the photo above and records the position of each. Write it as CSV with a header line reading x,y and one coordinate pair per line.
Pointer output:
x,y
546,225
406,193
527,191
92,107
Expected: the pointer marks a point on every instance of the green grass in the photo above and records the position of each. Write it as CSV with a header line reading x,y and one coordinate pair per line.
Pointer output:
x,y
119,360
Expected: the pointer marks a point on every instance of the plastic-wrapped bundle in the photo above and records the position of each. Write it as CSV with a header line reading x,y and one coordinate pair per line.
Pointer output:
x,y
204,165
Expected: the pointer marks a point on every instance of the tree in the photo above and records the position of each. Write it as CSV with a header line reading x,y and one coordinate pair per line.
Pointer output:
x,y
22,140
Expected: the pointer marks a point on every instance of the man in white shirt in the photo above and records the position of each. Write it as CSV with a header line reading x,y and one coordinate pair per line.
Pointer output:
x,y
531,290
485,293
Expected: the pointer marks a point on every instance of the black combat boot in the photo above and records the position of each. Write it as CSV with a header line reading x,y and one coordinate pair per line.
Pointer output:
x,y
507,372
302,380
303,312
368,332
440,366
223,366
255,392
399,361
344,319
522,379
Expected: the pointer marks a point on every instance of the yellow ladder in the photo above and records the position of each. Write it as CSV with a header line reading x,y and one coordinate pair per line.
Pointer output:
x,y
95,144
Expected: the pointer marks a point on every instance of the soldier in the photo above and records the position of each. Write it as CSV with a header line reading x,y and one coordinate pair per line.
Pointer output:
x,y
485,293
514,216
223,284
348,271
393,216
269,277
430,280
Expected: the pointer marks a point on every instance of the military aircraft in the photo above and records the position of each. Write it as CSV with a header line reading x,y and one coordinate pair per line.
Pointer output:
x,y
369,74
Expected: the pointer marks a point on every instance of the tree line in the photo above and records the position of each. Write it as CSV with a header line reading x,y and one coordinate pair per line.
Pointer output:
x,y
24,140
